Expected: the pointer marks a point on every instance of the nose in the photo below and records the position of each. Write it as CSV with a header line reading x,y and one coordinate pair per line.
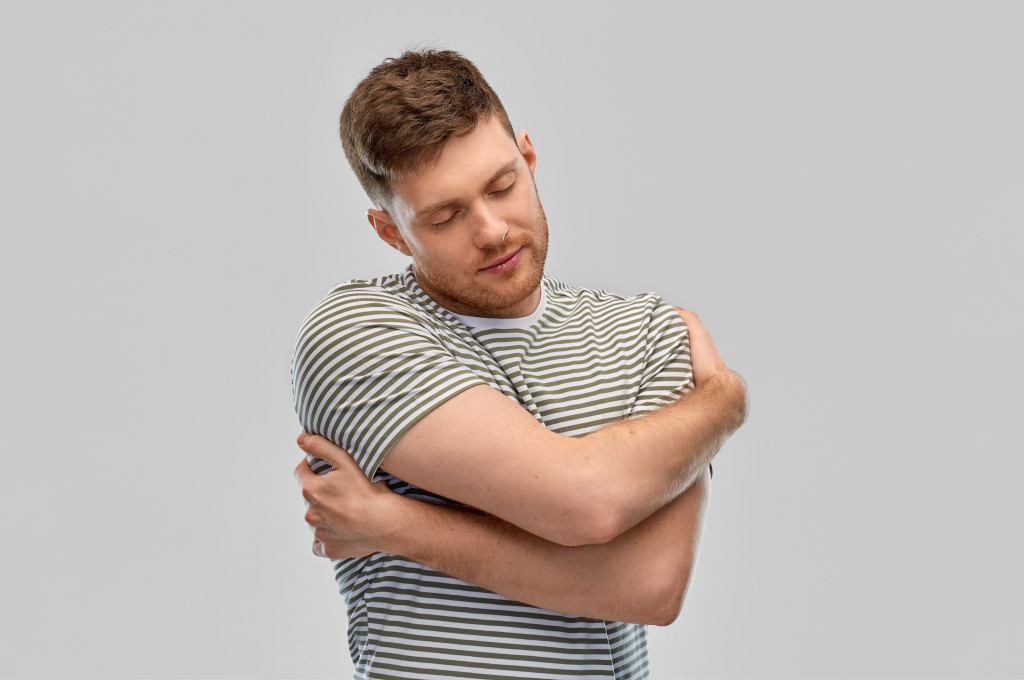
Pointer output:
x,y
490,229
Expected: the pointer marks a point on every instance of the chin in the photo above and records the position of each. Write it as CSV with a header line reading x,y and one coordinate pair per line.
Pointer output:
x,y
476,294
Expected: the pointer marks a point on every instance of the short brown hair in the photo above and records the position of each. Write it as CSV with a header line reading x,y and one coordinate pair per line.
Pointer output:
x,y
401,115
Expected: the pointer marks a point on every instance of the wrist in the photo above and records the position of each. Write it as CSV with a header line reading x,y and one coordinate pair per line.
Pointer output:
x,y
400,520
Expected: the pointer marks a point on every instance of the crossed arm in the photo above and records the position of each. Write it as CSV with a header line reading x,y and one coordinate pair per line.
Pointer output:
x,y
640,576
620,548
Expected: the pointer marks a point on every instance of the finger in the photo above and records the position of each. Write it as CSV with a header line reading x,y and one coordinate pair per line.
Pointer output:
x,y
318,549
319,447
325,449
303,472
314,519
689,317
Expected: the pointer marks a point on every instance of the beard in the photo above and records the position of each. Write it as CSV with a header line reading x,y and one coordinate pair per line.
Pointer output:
x,y
494,295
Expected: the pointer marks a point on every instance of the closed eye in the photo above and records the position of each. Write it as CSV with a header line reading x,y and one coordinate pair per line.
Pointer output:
x,y
500,192
445,221
511,179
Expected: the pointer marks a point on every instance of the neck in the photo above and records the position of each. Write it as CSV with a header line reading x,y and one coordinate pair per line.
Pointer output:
x,y
487,308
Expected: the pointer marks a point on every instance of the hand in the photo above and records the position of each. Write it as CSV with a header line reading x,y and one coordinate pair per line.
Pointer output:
x,y
703,356
349,515
708,365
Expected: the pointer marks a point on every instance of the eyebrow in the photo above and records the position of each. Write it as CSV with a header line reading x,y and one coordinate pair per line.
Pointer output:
x,y
508,167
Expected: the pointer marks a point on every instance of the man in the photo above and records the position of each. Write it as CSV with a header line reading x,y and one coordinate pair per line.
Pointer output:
x,y
539,483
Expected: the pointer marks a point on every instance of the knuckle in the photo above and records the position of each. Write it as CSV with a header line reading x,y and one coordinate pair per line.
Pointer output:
x,y
310,495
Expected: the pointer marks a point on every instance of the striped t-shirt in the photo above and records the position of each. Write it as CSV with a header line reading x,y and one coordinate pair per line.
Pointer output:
x,y
376,356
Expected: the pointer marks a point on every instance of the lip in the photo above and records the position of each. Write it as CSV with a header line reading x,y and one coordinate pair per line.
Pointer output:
x,y
505,263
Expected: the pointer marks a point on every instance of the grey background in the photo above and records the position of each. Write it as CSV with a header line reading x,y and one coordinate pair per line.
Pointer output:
x,y
835,187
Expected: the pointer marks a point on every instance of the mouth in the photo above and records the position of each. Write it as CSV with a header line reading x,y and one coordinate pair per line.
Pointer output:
x,y
504,264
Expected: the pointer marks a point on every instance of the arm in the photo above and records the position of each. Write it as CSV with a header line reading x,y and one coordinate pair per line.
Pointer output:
x,y
640,576
370,374
483,450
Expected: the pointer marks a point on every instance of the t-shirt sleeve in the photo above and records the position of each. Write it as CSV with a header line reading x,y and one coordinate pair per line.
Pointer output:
x,y
667,371
366,368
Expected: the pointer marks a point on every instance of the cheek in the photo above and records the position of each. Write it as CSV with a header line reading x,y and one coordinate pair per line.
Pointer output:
x,y
521,212
441,251
532,202
423,244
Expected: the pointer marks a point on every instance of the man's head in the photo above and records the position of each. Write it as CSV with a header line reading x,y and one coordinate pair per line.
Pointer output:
x,y
433,147
403,113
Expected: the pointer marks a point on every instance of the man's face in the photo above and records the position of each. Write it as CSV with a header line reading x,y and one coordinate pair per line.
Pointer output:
x,y
474,225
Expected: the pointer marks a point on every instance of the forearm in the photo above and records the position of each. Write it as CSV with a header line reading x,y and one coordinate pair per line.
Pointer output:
x,y
639,465
641,576
486,452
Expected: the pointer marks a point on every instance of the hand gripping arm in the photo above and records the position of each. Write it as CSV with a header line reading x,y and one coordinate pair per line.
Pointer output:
x,y
640,576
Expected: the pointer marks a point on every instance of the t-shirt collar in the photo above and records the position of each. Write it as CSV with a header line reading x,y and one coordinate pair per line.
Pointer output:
x,y
521,323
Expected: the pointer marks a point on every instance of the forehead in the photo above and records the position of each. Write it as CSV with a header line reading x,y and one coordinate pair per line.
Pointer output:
x,y
464,167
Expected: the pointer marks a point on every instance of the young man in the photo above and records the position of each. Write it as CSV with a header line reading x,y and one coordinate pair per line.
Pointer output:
x,y
539,483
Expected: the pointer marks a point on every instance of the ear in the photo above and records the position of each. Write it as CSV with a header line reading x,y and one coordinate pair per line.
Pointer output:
x,y
386,230
526,148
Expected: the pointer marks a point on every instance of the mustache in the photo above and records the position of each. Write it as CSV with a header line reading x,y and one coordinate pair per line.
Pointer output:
x,y
491,253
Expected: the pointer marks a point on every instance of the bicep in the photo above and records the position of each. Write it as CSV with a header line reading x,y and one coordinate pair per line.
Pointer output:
x,y
364,373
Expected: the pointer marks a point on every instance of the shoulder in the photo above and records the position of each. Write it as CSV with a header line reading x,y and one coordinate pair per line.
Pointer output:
x,y
360,317
369,296
601,305
564,293
391,301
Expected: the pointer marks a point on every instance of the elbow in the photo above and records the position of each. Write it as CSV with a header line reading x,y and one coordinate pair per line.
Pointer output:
x,y
599,510
589,517
667,610
589,526
603,528
604,510
663,597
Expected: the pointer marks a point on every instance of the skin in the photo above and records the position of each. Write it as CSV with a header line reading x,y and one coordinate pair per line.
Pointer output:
x,y
474,208
641,576
633,518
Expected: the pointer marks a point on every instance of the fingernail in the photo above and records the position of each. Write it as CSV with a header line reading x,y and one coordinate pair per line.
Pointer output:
x,y
302,439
